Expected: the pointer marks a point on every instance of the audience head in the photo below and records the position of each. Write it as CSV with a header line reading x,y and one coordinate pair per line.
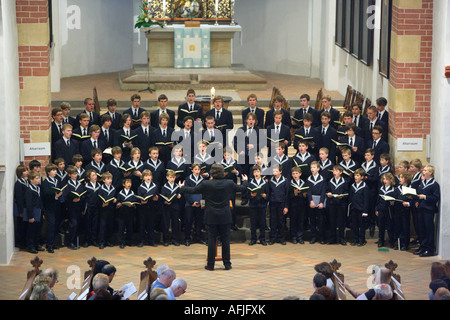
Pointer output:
x,y
319,280
382,292
326,292
161,268
157,292
441,292
100,281
40,292
167,277
178,287
103,294
317,296
52,273
110,271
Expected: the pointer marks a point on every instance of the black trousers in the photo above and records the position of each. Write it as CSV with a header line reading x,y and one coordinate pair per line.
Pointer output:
x,y
317,223
277,222
337,218
106,223
75,216
171,220
194,222
126,220
222,231
402,221
258,220
359,225
296,214
33,234
146,222
91,224
52,217
386,223
426,223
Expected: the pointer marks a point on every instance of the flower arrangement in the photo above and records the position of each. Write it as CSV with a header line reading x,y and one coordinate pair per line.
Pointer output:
x,y
144,20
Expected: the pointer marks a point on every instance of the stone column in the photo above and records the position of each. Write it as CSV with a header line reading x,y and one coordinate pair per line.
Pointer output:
x,y
440,120
34,73
410,76
9,125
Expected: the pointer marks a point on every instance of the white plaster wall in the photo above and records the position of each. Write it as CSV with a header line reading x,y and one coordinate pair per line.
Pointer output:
x,y
9,124
340,69
440,118
104,40
276,36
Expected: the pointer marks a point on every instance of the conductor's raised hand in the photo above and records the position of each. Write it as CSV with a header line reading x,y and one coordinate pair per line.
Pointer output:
x,y
244,177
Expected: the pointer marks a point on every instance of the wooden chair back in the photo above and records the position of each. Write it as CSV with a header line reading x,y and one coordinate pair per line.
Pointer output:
x,y
338,280
96,101
318,105
31,275
396,281
366,106
348,98
147,277
88,275
276,92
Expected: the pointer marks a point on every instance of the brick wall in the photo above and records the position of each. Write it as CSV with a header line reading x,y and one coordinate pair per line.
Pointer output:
x,y
34,72
412,74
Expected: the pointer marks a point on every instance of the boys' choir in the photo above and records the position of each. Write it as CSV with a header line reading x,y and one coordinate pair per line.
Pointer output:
x,y
125,169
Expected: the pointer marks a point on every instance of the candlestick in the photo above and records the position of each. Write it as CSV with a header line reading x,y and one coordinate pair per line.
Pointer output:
x,y
217,12
164,11
232,13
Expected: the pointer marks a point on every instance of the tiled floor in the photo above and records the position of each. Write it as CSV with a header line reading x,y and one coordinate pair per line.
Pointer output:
x,y
259,273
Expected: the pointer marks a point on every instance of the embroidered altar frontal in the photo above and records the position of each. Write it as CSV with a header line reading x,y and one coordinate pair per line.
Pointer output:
x,y
192,47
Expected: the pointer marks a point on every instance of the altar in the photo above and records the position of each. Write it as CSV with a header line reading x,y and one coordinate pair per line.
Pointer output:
x,y
161,44
189,46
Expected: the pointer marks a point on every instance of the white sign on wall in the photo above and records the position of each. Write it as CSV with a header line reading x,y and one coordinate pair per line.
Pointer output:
x,y
37,149
409,144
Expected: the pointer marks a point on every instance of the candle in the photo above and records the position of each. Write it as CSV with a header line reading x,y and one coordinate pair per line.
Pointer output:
x,y
164,6
217,6
213,93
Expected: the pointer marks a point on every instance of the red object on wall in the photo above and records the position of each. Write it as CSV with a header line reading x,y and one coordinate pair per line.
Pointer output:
x,y
447,72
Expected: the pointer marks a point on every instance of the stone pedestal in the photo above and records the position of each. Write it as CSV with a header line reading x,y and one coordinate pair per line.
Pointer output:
x,y
161,45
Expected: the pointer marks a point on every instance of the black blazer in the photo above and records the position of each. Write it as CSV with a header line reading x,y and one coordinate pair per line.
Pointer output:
x,y
183,112
270,120
189,147
217,194
259,116
112,137
298,114
71,121
285,134
56,134
335,117
225,122
144,142
326,141
130,111
165,151
367,133
362,121
116,123
357,142
86,148
154,118
96,119
382,147
241,145
313,132
63,151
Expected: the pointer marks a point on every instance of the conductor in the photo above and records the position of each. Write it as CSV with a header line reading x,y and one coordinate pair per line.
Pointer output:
x,y
217,193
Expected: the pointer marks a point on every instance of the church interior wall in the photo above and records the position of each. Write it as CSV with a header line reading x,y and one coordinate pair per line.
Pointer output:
x,y
9,124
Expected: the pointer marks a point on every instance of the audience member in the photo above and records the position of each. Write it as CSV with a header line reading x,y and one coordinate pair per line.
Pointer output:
x,y
441,292
326,292
435,285
100,281
110,271
40,292
382,292
165,279
157,292
177,288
